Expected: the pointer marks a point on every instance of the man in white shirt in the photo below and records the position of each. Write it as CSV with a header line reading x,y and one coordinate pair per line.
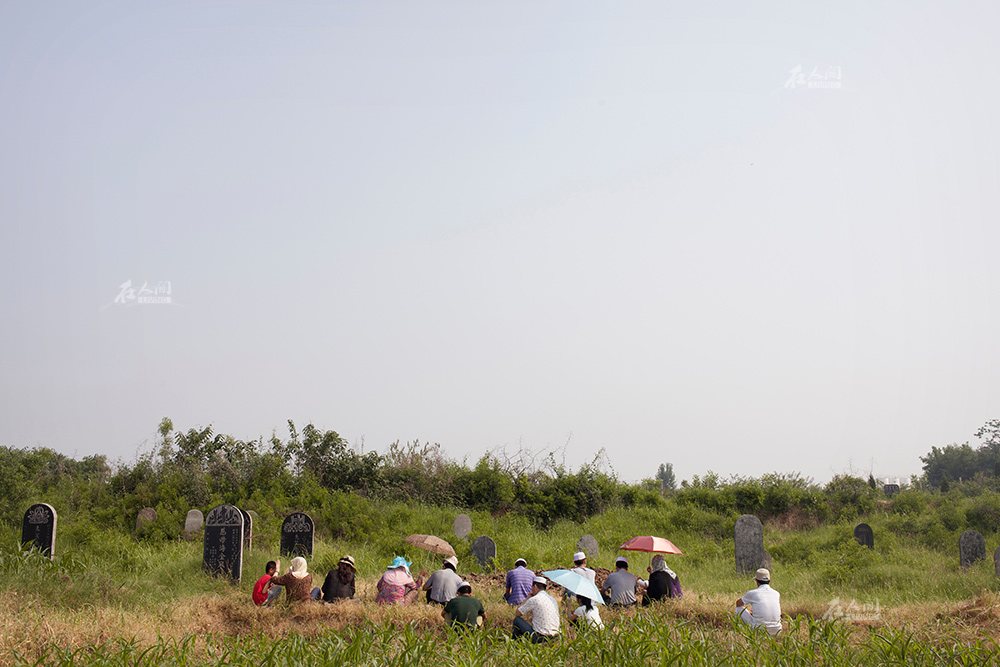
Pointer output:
x,y
543,611
765,603
580,560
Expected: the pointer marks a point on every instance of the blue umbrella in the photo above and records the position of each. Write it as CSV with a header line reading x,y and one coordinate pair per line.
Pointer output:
x,y
576,584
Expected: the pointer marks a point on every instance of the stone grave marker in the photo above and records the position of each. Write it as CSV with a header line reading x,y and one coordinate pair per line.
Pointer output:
x,y
588,545
297,535
247,531
39,528
767,559
223,555
462,526
193,521
484,550
971,548
146,515
996,561
749,538
864,535
890,490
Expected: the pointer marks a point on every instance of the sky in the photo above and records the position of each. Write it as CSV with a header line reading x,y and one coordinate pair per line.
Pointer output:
x,y
735,239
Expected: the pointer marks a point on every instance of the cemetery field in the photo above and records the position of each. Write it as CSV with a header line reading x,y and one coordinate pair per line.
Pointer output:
x,y
110,598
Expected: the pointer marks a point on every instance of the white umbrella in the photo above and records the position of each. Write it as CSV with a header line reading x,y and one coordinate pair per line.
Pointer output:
x,y
576,584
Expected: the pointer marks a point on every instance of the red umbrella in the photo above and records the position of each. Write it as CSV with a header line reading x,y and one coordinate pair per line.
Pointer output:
x,y
650,544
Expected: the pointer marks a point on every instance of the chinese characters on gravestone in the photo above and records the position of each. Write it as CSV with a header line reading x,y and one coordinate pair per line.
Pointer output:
x,y
749,540
484,549
890,490
224,542
39,528
297,535
971,548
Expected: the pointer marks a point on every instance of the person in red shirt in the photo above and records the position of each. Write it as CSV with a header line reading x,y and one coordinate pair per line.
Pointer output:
x,y
264,591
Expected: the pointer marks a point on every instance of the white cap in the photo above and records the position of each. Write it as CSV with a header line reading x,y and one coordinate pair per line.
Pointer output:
x,y
579,555
541,581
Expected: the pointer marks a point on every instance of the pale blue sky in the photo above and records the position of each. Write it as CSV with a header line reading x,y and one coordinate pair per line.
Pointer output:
x,y
603,224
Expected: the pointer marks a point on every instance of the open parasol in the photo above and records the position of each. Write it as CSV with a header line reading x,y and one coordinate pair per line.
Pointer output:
x,y
575,583
431,543
650,544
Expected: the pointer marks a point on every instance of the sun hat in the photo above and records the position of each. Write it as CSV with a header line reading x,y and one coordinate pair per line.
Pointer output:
x,y
579,555
299,567
399,561
541,581
763,575
452,560
520,561
349,561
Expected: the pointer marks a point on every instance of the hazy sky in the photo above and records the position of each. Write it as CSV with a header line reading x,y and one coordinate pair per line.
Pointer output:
x,y
630,226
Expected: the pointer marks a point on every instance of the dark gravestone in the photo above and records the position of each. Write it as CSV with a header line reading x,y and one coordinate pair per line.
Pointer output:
x,y
223,555
890,490
193,521
484,550
297,535
588,545
864,535
996,561
971,548
146,516
462,526
749,539
247,532
39,528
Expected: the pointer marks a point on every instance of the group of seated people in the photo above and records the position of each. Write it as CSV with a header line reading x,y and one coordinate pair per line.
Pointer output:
x,y
536,615
445,587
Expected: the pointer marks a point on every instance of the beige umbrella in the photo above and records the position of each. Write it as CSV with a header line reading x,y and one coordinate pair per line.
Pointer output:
x,y
431,543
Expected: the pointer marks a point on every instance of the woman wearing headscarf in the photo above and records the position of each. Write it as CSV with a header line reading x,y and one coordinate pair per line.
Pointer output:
x,y
297,582
339,583
663,582
396,585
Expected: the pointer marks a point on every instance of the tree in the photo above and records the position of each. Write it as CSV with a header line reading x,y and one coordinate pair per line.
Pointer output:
x,y
665,473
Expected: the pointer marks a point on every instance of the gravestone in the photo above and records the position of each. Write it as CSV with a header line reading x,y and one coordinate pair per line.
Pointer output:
x,y
297,535
223,556
890,490
39,528
864,535
146,515
193,521
971,548
247,532
588,545
996,561
767,559
462,526
749,539
484,550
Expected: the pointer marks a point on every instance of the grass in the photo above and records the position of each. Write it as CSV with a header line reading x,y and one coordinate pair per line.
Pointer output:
x,y
108,598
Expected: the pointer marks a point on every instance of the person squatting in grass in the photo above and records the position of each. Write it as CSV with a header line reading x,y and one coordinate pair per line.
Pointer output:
x,y
297,582
622,585
464,612
396,585
765,603
542,609
443,584
264,591
518,583
663,582
585,614
340,583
